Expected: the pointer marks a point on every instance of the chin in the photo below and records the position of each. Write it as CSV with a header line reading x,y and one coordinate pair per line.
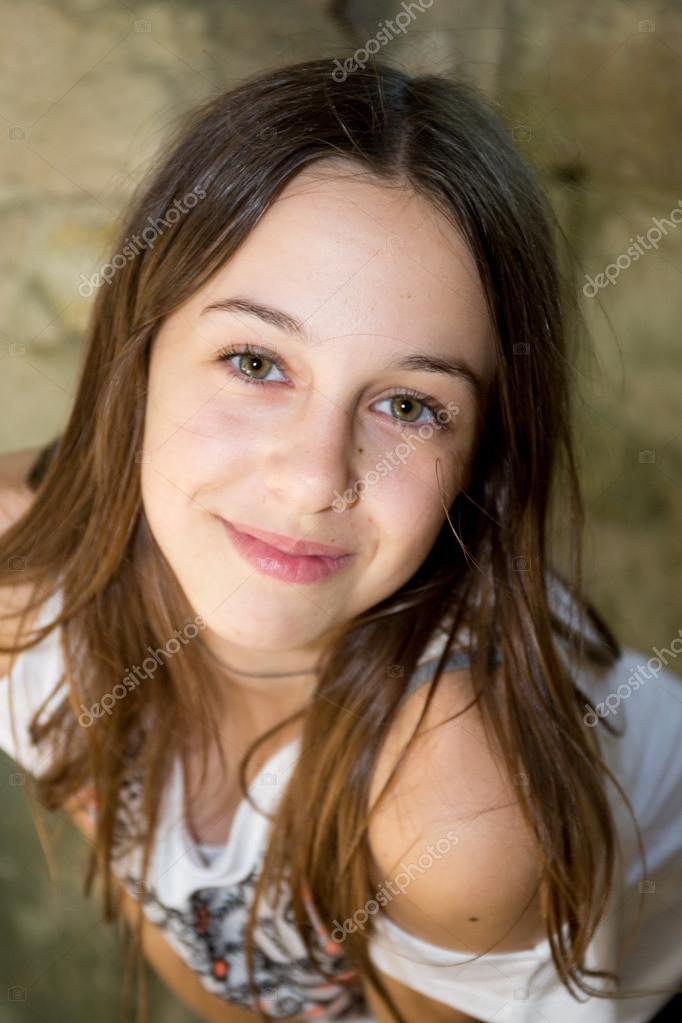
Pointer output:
x,y
255,625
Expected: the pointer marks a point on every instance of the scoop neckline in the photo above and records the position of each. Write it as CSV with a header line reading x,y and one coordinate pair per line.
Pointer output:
x,y
245,818
438,955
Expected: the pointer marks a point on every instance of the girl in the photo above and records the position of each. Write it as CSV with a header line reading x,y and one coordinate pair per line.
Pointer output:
x,y
282,626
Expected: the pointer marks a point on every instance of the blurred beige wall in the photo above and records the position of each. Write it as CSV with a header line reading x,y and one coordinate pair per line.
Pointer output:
x,y
589,91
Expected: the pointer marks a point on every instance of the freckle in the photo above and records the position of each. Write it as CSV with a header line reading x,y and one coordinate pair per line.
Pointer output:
x,y
473,918
359,451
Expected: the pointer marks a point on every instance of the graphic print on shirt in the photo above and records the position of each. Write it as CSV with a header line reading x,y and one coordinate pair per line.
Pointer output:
x,y
210,936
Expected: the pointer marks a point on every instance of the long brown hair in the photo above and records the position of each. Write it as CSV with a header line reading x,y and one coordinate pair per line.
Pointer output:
x,y
86,531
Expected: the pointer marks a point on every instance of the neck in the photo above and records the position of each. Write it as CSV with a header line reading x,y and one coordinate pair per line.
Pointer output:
x,y
256,700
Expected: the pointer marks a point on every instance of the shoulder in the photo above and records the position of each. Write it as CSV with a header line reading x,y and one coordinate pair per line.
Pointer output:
x,y
450,826
16,498
15,494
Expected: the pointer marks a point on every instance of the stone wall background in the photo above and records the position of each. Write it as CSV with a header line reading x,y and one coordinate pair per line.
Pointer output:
x,y
591,94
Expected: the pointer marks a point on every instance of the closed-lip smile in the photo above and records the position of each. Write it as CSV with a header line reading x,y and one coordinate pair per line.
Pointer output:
x,y
290,544
287,558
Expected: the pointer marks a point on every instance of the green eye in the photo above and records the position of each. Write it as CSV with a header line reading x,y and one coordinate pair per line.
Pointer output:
x,y
403,400
419,404
246,365
251,366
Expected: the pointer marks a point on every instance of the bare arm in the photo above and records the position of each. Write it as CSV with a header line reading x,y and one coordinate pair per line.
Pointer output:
x,y
15,494
14,465
15,499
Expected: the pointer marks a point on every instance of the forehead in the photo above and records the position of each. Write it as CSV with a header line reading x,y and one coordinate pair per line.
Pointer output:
x,y
356,257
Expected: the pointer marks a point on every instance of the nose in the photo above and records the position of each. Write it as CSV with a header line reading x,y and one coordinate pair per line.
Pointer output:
x,y
310,463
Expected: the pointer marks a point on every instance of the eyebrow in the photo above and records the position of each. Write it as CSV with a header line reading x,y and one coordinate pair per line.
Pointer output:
x,y
417,361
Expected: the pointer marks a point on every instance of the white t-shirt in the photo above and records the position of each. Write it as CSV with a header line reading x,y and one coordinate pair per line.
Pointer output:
x,y
201,902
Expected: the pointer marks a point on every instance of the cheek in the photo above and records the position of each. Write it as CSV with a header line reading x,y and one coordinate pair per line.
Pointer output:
x,y
407,530
414,480
409,509
204,405
191,471
178,470
195,438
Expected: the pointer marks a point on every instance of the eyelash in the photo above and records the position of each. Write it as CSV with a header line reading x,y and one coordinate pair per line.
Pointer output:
x,y
226,353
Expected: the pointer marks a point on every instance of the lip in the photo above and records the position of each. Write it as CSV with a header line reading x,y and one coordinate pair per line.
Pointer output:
x,y
290,544
292,568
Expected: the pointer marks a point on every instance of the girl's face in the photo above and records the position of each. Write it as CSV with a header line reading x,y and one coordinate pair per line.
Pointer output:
x,y
339,441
